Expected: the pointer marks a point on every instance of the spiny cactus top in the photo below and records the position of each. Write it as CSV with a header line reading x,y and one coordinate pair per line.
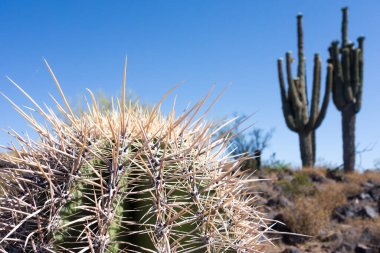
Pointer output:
x,y
129,180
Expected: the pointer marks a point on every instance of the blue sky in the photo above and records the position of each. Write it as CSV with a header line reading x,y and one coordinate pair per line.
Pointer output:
x,y
197,43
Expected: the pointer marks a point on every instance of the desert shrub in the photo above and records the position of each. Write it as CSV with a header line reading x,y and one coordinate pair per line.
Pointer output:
x,y
310,214
252,144
301,218
273,164
278,170
300,184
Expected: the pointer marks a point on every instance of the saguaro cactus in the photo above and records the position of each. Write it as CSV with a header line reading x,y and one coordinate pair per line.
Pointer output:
x,y
295,105
347,87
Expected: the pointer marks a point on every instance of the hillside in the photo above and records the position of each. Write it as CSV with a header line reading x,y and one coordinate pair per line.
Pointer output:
x,y
338,212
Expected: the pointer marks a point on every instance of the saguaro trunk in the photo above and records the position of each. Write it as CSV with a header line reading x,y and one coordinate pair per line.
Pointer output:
x,y
257,155
348,129
314,147
306,147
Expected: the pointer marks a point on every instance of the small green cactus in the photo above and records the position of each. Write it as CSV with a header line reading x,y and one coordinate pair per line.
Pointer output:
x,y
128,180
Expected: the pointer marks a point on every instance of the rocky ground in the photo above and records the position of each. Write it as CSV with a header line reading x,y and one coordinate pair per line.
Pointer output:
x,y
335,212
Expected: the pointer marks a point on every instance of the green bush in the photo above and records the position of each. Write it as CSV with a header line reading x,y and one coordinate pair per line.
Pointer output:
x,y
300,184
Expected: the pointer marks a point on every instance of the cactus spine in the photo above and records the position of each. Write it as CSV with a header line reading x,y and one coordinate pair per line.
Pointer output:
x,y
295,105
347,87
129,180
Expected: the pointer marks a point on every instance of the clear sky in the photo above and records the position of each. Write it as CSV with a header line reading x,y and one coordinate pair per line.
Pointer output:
x,y
197,43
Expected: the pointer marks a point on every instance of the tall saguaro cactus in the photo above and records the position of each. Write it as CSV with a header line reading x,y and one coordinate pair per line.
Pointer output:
x,y
295,105
347,87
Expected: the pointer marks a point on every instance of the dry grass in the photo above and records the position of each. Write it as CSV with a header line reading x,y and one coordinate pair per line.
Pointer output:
x,y
319,171
354,181
305,217
372,175
360,178
374,225
310,214
351,188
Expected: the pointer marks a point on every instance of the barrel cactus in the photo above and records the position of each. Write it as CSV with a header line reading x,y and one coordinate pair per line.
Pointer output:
x,y
126,180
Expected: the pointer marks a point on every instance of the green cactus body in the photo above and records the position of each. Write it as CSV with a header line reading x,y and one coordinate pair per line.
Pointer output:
x,y
129,180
